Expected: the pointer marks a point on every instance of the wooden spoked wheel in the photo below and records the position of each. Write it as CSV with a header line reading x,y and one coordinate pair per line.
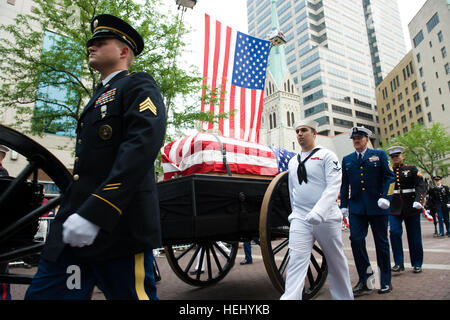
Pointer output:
x,y
274,238
202,264
21,197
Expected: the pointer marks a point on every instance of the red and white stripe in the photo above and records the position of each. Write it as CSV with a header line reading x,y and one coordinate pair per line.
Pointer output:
x,y
244,106
427,215
202,153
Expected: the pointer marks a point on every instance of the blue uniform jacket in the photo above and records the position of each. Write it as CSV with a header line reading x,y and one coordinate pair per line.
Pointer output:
x,y
366,181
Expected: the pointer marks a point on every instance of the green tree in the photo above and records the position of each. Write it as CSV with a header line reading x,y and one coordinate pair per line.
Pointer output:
x,y
51,85
426,148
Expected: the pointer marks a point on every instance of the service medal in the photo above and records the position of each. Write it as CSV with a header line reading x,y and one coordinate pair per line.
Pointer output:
x,y
103,111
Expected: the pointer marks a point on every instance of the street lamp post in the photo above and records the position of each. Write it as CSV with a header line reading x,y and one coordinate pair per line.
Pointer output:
x,y
186,4
183,5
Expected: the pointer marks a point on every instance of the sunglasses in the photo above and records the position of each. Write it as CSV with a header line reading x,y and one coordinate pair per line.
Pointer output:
x,y
394,155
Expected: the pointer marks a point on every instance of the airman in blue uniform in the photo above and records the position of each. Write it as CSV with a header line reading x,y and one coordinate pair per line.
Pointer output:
x,y
366,191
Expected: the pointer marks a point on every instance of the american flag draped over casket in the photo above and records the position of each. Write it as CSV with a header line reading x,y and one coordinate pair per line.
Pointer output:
x,y
202,153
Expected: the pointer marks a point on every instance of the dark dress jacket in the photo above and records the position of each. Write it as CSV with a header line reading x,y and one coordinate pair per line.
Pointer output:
x,y
119,135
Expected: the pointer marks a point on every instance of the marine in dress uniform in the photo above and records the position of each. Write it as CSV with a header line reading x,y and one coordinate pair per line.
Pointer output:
x,y
366,191
440,197
109,222
406,206
314,182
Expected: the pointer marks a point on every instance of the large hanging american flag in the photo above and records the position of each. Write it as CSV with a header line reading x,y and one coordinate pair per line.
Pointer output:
x,y
230,54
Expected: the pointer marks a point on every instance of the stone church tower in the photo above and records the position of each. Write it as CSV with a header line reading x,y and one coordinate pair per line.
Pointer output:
x,y
281,107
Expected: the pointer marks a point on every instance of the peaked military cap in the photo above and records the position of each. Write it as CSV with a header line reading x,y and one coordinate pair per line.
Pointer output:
x,y
437,178
3,148
309,123
109,26
395,150
359,131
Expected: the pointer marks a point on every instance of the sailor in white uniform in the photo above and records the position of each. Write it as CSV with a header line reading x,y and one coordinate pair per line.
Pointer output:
x,y
313,188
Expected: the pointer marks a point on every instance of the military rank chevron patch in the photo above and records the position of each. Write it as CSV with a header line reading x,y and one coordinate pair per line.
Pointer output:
x,y
147,104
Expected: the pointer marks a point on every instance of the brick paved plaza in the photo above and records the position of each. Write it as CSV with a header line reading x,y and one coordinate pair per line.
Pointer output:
x,y
251,282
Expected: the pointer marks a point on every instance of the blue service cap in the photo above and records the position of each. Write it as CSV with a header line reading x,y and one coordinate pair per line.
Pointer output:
x,y
109,26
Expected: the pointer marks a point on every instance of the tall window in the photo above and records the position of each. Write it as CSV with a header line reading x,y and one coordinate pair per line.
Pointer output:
x,y
418,38
55,94
432,22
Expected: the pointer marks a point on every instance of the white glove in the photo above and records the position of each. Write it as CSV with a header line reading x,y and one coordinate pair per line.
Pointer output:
x,y
313,218
417,205
448,205
344,212
383,203
79,232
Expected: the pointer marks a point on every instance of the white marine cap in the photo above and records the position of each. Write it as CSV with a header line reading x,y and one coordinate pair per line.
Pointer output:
x,y
394,150
359,131
309,123
3,148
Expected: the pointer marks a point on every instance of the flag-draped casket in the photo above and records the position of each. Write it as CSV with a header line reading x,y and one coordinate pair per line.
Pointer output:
x,y
207,153
210,206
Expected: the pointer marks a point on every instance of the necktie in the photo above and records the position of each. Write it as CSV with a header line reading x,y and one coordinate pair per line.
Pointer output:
x,y
301,170
359,156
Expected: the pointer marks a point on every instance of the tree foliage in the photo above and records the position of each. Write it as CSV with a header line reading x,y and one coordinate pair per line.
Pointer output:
x,y
426,148
50,84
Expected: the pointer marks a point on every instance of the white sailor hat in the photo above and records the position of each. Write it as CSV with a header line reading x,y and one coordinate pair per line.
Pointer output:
x,y
359,131
3,148
395,150
309,123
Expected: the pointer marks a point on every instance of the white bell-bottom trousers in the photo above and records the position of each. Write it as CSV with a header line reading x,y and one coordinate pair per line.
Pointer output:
x,y
328,234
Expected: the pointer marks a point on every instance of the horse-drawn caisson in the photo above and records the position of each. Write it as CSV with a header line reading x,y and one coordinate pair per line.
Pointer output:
x,y
203,215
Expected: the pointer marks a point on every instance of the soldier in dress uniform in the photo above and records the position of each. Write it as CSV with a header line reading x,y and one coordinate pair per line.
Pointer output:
x,y
3,151
108,222
440,198
367,173
406,205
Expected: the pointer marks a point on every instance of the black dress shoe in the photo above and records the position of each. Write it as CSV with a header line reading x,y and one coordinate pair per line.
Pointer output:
x,y
246,262
398,268
417,269
385,289
360,289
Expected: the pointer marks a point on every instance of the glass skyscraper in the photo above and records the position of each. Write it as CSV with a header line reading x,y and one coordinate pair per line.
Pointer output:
x,y
333,48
